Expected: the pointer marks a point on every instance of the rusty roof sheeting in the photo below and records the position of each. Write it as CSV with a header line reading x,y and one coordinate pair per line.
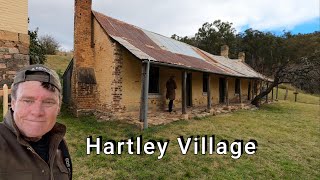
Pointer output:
x,y
154,47
135,51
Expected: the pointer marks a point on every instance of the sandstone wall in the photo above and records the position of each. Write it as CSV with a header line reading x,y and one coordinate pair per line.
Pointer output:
x,y
14,54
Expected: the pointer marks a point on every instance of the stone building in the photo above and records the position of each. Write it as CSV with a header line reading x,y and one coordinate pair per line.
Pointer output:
x,y
119,68
14,38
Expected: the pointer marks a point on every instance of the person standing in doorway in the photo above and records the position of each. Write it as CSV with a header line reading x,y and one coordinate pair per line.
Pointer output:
x,y
171,94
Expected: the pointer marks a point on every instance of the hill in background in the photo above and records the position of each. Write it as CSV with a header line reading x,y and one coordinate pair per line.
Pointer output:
x,y
59,62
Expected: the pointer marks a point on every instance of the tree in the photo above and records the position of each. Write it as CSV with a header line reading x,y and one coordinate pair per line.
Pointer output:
x,y
37,55
49,44
308,46
186,39
292,62
211,36
260,49
287,58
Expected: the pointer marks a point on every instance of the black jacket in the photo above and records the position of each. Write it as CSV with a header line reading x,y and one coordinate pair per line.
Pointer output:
x,y
18,160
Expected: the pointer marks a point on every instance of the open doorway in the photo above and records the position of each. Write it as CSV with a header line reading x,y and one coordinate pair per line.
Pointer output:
x,y
189,89
249,91
222,90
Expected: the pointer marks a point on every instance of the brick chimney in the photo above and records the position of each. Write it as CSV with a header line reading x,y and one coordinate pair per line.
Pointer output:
x,y
242,56
83,52
225,51
83,83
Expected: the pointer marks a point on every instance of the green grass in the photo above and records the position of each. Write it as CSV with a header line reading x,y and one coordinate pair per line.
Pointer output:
x,y
301,97
58,63
287,134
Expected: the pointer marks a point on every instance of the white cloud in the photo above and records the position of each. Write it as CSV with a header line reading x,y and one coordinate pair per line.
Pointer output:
x,y
54,18
182,17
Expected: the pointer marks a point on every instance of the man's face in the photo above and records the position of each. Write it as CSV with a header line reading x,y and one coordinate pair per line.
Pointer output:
x,y
35,109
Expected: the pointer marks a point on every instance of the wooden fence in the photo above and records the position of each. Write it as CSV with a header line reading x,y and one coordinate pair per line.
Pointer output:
x,y
4,92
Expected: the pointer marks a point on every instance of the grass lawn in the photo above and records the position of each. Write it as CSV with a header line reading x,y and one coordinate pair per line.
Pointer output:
x,y
301,97
58,62
288,136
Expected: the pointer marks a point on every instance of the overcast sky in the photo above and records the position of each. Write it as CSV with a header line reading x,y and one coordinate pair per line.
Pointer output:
x,y
181,17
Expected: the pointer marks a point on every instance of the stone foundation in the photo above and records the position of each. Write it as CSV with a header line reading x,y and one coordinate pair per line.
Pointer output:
x,y
159,117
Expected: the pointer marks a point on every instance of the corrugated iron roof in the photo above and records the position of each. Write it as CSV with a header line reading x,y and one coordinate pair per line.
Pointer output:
x,y
154,47
172,45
